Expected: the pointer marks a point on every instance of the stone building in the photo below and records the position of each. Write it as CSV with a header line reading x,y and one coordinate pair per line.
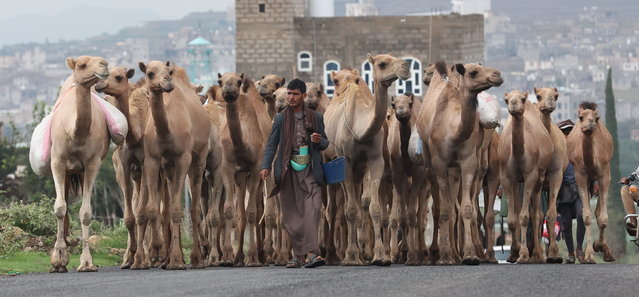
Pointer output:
x,y
279,37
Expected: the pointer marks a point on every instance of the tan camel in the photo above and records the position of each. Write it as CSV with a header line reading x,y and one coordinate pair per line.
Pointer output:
x,y
353,123
79,142
407,178
243,139
267,86
547,102
176,143
316,99
449,128
525,152
590,151
280,99
490,185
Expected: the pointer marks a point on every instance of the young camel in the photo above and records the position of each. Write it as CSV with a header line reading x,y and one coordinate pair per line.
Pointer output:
x,y
547,102
590,151
354,122
243,138
79,142
449,128
267,87
316,98
525,152
176,143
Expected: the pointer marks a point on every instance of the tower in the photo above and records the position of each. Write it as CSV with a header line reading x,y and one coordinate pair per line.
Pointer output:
x,y
265,36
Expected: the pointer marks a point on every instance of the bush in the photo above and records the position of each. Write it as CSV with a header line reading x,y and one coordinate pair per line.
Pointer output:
x,y
34,218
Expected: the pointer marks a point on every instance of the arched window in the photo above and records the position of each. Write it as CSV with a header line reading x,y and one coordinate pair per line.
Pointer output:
x,y
414,83
304,62
328,82
367,74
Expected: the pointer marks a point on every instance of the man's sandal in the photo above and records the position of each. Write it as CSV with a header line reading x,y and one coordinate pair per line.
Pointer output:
x,y
294,263
315,261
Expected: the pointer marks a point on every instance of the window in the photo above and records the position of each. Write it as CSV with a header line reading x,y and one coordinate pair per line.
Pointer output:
x,y
328,82
304,62
367,74
262,7
414,83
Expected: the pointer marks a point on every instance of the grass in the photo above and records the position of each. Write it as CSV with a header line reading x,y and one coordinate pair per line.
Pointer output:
x,y
26,262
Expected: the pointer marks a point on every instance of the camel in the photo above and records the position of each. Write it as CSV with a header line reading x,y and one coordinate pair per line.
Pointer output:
x,y
243,139
525,152
490,185
280,99
590,151
354,121
176,144
449,128
316,98
408,200
547,102
267,86
79,141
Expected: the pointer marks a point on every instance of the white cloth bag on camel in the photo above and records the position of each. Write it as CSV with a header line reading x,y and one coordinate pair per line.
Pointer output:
x,y
40,150
489,110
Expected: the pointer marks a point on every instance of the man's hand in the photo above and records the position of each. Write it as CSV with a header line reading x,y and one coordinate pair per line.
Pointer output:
x,y
623,181
264,174
500,192
315,137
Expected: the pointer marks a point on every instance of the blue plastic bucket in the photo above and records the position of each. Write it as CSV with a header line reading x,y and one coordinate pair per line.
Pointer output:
x,y
334,170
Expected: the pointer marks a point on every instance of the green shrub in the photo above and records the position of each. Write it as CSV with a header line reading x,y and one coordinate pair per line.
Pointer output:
x,y
34,218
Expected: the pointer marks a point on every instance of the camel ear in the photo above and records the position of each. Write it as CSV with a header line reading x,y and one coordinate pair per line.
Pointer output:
x,y
597,115
412,97
211,93
356,72
242,76
525,96
555,89
321,87
263,76
283,82
393,99
130,73
219,75
506,97
71,63
142,67
460,69
333,75
357,81
199,88
536,90
170,65
370,58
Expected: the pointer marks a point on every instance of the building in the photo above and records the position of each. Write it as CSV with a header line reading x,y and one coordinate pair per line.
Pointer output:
x,y
279,37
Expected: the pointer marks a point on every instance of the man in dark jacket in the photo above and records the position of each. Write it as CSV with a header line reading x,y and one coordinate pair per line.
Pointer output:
x,y
298,173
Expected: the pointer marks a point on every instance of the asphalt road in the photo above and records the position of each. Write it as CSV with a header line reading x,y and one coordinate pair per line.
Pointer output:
x,y
397,280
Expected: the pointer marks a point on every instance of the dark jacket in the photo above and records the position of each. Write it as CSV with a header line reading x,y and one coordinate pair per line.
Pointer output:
x,y
277,137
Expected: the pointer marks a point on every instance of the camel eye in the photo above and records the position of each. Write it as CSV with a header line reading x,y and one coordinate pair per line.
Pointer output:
x,y
171,72
82,66
538,97
118,78
335,81
277,86
151,75
473,73
382,65
239,83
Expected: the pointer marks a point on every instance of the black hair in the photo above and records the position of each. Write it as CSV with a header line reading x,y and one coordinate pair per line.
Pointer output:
x,y
297,84
588,105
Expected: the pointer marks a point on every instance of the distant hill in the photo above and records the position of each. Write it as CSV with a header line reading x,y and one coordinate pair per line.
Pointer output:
x,y
77,23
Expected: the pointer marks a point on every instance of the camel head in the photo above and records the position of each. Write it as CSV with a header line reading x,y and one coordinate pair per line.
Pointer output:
x,y
428,74
281,96
344,78
386,68
198,89
478,78
117,84
159,76
269,84
588,117
547,99
231,84
402,105
516,102
314,95
87,71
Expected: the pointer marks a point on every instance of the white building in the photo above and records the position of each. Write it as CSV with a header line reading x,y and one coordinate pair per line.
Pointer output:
x,y
471,6
363,8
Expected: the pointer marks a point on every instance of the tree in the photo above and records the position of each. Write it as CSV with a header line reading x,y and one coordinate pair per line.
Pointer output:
x,y
615,207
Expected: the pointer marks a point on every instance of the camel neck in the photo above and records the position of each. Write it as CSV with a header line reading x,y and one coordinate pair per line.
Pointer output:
x,y
84,112
404,137
586,146
468,116
270,105
234,124
545,119
158,111
380,106
518,138
123,101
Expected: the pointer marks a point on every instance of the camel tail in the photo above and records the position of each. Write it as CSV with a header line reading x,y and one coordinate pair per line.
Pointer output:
x,y
75,185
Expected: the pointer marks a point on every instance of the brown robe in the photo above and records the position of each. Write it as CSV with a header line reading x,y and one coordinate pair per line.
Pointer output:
x,y
301,200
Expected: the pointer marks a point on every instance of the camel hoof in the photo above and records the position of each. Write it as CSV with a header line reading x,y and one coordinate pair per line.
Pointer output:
x,y
254,264
126,265
226,263
197,266
411,262
491,260
471,261
238,264
512,259
142,266
377,262
87,268
59,269
588,260
554,260
609,257
524,259
353,263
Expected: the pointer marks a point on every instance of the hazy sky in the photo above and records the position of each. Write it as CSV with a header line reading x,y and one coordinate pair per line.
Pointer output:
x,y
165,9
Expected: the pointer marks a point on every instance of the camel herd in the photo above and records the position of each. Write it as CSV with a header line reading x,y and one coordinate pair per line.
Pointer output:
x,y
397,158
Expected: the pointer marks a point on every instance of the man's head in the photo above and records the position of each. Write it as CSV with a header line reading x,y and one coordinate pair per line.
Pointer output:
x,y
296,93
566,126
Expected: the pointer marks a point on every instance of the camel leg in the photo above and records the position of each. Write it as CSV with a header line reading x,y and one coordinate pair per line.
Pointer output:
x,y
376,171
240,213
468,168
413,212
59,253
555,180
601,213
400,189
213,219
531,180
489,217
91,171
229,215
330,234
352,256
196,171
433,250
341,226
422,216
149,181
582,184
253,183
270,223
455,223
124,179
538,256
176,176
511,190
446,209
365,224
